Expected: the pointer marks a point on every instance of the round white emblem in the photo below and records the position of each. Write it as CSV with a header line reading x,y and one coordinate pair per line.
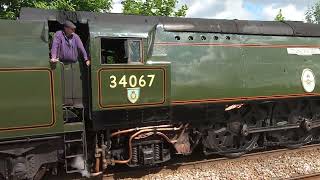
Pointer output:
x,y
308,80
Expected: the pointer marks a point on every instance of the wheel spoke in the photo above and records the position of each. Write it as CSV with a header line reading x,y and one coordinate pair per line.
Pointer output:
x,y
230,142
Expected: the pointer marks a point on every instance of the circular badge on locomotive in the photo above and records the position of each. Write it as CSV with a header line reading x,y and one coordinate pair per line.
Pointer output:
x,y
308,80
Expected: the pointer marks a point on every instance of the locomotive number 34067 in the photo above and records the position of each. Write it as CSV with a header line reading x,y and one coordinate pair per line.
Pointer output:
x,y
132,81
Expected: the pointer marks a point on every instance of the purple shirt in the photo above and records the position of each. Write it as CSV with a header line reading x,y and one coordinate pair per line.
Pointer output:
x,y
66,49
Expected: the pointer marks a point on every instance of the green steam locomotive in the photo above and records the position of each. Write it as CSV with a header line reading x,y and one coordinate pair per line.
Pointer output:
x,y
157,87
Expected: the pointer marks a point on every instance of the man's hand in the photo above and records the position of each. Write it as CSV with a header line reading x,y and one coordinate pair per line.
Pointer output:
x,y
54,60
88,62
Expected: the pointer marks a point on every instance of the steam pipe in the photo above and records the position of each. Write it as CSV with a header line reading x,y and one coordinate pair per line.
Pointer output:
x,y
98,152
138,129
97,167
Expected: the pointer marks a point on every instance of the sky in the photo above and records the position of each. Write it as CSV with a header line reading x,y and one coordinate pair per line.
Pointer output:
x,y
241,9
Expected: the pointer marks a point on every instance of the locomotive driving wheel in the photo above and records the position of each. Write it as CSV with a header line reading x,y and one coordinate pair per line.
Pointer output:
x,y
230,138
294,113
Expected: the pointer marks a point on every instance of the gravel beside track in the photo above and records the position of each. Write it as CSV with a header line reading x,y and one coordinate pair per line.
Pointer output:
x,y
279,164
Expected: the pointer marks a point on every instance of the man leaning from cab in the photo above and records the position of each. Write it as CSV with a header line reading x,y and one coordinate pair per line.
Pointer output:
x,y
66,46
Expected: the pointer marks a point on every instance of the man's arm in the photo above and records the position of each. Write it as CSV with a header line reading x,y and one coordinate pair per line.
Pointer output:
x,y
55,46
81,48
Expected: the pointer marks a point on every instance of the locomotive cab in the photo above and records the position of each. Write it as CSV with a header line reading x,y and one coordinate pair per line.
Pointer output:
x,y
119,88
74,75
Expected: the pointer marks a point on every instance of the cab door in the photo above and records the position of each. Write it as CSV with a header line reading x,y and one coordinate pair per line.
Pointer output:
x,y
30,93
122,80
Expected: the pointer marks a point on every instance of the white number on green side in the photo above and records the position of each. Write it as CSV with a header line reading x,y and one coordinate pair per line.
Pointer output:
x,y
123,81
142,82
132,81
113,83
151,76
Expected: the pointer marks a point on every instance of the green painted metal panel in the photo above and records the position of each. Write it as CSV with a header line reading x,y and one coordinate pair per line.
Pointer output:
x,y
200,72
34,103
271,71
31,97
131,86
213,67
23,44
105,95
124,30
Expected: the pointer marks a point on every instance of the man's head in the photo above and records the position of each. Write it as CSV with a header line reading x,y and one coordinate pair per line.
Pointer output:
x,y
69,28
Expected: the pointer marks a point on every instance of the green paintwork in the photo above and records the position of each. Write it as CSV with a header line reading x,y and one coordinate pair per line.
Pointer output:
x,y
30,94
103,29
33,103
186,71
211,72
113,98
272,71
150,94
217,69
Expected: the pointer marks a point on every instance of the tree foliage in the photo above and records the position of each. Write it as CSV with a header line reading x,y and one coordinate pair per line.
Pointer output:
x,y
279,16
154,8
313,13
9,9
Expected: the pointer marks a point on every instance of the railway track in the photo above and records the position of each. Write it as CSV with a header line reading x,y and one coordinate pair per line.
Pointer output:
x,y
197,164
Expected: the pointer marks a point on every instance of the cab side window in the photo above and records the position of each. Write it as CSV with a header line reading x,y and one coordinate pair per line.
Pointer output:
x,y
121,51
134,51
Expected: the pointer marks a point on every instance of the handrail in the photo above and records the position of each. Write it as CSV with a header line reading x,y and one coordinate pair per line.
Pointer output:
x,y
63,90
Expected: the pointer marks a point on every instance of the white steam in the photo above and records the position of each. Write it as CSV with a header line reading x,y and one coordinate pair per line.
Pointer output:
x,y
79,163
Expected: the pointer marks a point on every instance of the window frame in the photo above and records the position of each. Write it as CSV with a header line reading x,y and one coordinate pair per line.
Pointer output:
x,y
140,40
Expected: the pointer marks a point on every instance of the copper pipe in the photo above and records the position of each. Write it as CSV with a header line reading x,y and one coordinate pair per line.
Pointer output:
x,y
144,131
97,168
166,137
130,148
138,129
96,174
98,157
183,130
